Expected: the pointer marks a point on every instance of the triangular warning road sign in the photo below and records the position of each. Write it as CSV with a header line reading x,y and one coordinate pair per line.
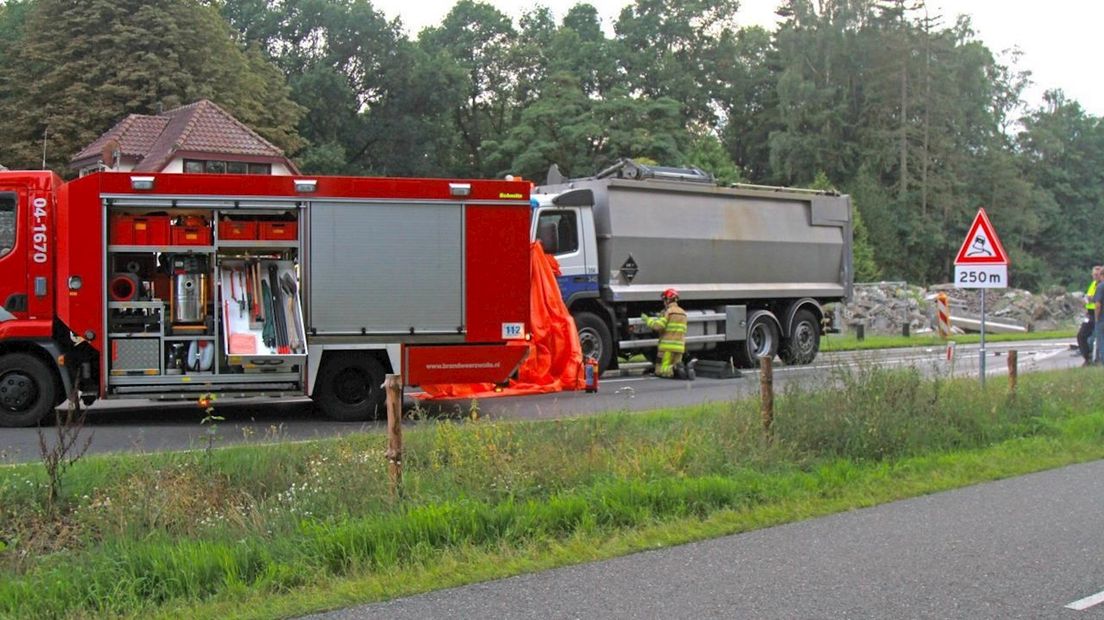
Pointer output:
x,y
981,247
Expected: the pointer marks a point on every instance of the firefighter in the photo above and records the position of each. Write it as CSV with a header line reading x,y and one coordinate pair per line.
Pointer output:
x,y
1085,338
672,338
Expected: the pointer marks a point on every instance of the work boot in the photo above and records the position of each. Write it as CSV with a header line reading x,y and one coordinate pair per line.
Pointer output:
x,y
690,375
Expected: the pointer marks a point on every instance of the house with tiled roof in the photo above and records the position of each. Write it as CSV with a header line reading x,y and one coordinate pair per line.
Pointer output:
x,y
198,137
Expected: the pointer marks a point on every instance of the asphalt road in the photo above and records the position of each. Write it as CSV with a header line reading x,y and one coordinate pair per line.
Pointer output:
x,y
118,426
1019,548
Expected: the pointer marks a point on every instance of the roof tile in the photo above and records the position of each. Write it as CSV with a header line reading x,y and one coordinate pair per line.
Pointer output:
x,y
135,134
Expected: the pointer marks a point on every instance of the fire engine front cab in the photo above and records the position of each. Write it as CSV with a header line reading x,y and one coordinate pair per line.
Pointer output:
x,y
31,359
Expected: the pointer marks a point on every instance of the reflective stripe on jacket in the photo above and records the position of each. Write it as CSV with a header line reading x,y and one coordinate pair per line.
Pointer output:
x,y
1089,305
672,328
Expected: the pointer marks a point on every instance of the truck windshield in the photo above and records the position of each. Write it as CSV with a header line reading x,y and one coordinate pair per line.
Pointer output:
x,y
7,223
557,232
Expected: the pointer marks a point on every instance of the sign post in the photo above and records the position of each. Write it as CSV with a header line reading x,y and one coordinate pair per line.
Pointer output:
x,y
981,263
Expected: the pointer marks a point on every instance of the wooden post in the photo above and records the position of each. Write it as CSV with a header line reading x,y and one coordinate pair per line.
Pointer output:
x,y
1012,370
766,393
394,386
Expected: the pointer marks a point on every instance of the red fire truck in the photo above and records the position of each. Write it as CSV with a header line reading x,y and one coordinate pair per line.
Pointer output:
x,y
174,285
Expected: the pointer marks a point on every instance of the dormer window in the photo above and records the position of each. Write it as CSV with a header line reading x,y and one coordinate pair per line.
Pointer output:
x,y
216,166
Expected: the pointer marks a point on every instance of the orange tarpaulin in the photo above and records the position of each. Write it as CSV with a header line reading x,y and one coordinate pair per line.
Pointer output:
x,y
555,357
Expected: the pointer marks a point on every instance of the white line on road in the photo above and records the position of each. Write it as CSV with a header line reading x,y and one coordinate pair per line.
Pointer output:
x,y
1045,355
903,359
1087,602
627,379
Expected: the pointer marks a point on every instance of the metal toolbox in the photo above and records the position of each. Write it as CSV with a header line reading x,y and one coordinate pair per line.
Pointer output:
x,y
135,356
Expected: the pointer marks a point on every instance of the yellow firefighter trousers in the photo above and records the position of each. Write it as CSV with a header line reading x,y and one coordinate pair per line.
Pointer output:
x,y
668,360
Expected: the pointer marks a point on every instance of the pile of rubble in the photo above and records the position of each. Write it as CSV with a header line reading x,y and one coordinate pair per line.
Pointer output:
x,y
885,308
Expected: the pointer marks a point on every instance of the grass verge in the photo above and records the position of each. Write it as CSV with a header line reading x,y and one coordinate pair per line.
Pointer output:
x,y
270,531
871,485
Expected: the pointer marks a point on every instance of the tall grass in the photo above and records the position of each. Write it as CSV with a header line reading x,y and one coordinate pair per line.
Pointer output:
x,y
143,533
879,414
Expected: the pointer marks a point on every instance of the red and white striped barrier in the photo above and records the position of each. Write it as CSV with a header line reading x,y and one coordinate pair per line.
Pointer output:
x,y
943,312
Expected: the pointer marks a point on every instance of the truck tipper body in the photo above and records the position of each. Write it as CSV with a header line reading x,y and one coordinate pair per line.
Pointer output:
x,y
753,265
169,286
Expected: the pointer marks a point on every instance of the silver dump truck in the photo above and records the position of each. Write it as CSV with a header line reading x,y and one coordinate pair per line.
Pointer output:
x,y
753,265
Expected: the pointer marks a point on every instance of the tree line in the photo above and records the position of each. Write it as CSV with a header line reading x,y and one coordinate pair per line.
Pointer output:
x,y
907,111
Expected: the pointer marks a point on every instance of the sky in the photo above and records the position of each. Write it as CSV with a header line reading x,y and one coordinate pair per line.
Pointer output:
x,y
1061,40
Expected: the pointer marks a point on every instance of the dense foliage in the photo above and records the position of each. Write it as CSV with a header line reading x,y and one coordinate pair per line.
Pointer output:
x,y
907,111
75,69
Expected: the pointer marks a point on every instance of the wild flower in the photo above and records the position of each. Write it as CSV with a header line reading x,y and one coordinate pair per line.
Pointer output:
x,y
206,402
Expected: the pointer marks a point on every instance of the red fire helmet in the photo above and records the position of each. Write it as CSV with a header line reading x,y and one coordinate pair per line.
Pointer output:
x,y
670,294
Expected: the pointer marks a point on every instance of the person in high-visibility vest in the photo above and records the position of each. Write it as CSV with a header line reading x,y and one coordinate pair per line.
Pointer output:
x,y
1085,339
672,338
1098,327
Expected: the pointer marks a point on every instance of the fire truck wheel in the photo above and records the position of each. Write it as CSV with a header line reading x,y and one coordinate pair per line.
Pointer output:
x,y
349,387
28,390
594,338
762,339
804,342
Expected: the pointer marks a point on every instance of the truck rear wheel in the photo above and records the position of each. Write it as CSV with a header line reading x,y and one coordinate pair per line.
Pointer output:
x,y
762,340
28,390
594,338
349,387
804,342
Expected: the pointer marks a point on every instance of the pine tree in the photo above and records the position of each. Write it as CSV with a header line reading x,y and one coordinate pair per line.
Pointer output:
x,y
105,59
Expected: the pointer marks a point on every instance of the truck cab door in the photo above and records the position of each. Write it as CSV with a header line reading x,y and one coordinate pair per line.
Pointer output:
x,y
14,296
562,233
